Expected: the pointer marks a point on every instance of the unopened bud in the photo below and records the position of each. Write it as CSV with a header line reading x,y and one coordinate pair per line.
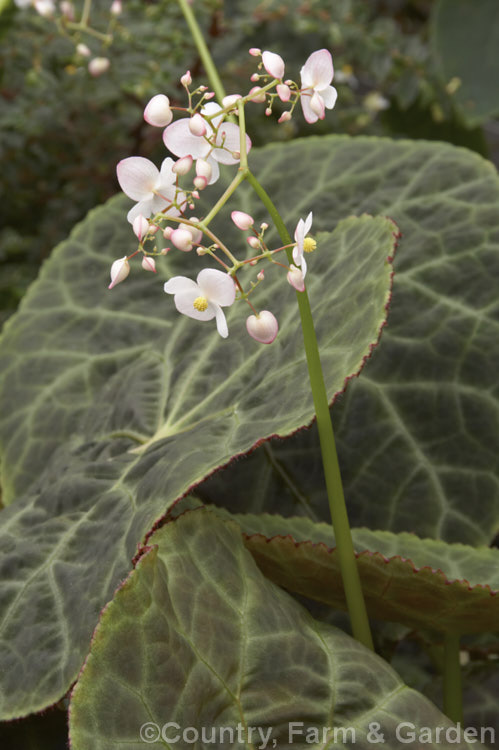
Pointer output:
x,y
262,327
182,239
260,275
195,195
140,227
182,165
116,8
285,117
273,64
158,112
67,10
196,234
283,92
119,271
264,226
254,242
167,233
209,95
257,95
98,66
231,99
186,79
255,51
45,8
153,229
295,278
148,264
197,125
242,220
200,183
255,77
203,169
83,50
268,111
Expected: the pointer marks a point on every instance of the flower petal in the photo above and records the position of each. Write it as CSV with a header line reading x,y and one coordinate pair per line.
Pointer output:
x,y
142,207
137,177
180,141
273,64
221,322
228,134
217,286
184,302
305,99
329,95
308,224
318,71
179,284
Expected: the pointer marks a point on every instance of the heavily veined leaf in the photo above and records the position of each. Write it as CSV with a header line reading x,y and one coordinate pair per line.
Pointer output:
x,y
91,375
464,41
421,583
418,432
197,637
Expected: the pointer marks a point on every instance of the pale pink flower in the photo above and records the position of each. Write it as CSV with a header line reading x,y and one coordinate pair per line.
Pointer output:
x,y
302,229
149,264
262,327
317,94
180,141
204,298
119,271
154,190
295,278
158,112
273,64
242,220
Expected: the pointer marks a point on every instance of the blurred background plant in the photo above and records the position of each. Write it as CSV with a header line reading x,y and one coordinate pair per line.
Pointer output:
x,y
404,68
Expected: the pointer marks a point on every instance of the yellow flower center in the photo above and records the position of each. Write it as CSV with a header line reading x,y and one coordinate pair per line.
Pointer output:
x,y
309,244
200,303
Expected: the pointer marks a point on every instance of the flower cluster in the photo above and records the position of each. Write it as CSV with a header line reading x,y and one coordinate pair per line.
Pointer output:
x,y
204,137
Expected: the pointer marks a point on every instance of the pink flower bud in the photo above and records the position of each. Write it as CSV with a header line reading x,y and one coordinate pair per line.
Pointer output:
x,y
67,10
283,92
285,117
273,64
197,125
260,275
98,66
165,250
228,101
186,79
119,271
116,8
140,227
83,50
264,226
182,165
255,52
158,112
182,239
192,206
148,264
262,327
268,111
153,229
200,183
209,95
254,242
257,95
167,233
255,77
241,220
295,278
203,169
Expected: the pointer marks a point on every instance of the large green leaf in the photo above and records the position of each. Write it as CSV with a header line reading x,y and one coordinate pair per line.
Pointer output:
x,y
421,583
92,375
465,39
418,432
197,636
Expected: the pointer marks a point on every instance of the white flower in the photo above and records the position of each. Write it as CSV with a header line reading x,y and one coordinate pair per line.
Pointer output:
x,y
154,190
317,95
179,139
204,298
262,327
302,229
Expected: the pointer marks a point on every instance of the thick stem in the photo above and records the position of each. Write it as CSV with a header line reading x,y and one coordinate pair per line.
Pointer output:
x,y
337,506
453,690
203,50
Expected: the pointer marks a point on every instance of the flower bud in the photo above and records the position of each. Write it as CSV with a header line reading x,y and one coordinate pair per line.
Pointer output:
x,y
285,117
83,50
158,112
242,220
295,278
148,264
197,234
260,275
254,242
273,64
67,10
283,92
268,111
262,327
167,233
197,125
182,239
255,77
45,8
228,101
255,51
182,165
200,183
195,194
119,271
209,95
116,8
257,95
98,66
264,226
203,169
153,228
186,79
140,227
